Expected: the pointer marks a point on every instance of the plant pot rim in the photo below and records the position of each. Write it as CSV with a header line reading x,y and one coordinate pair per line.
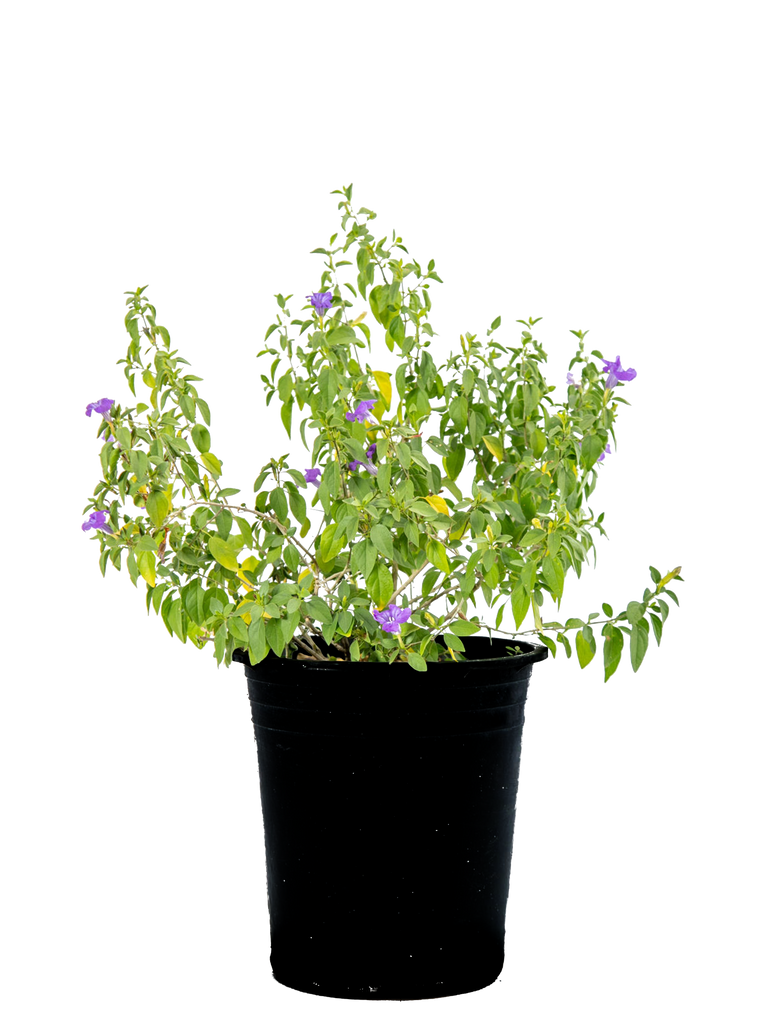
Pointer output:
x,y
531,654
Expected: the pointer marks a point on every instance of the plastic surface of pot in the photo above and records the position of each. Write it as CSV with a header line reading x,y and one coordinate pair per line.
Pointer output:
x,y
388,798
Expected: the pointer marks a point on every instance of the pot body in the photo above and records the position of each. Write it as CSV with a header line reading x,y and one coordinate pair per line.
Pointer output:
x,y
388,798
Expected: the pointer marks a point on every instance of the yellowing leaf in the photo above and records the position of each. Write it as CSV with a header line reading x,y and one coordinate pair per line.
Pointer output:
x,y
211,463
438,504
145,560
385,385
536,614
359,319
494,447
246,618
250,563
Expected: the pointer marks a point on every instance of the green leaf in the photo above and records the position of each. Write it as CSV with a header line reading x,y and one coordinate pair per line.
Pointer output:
x,y
189,472
380,298
382,538
655,574
139,464
458,410
552,571
202,437
158,507
452,641
175,620
145,543
341,333
638,645
220,642
521,602
278,503
454,463
318,609
567,649
194,602
214,600
298,505
291,557
332,540
607,611
614,642
132,325
203,407
634,609
531,398
257,641
549,643
274,632
285,385
224,523
395,331
285,415
380,586
428,581
538,442
437,556
534,536
657,627
585,649
417,662
592,448
187,406
246,530
163,332
223,552
513,509
237,628
156,593
211,463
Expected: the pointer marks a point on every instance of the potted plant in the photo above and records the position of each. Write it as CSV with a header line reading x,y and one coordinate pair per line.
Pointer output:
x,y
388,728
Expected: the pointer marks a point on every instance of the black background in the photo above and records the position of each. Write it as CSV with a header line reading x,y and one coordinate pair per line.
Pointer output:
x,y
163,827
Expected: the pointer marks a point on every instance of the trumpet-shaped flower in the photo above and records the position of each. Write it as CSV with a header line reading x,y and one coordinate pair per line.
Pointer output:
x,y
615,372
311,476
392,618
361,411
321,301
102,407
607,451
97,521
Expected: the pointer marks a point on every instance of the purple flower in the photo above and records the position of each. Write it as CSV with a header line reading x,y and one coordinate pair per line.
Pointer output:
x,y
321,301
311,475
102,407
362,410
569,379
356,464
615,373
392,618
607,450
97,521
369,465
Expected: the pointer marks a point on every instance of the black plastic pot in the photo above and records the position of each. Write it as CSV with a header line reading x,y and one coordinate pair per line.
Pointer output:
x,y
389,805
